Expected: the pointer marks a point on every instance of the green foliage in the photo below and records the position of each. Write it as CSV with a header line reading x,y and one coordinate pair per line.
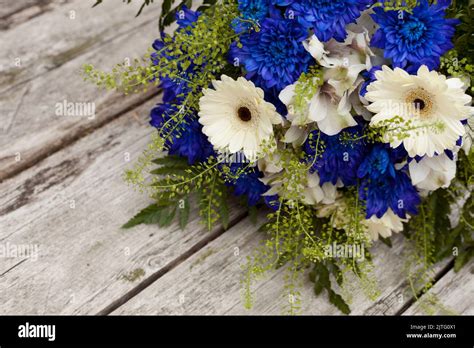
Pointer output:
x,y
183,213
168,166
320,276
213,201
397,128
173,184
452,64
253,214
145,3
205,44
297,239
464,37
137,176
289,230
432,218
168,11
462,236
393,129
432,235
293,178
398,5
158,213
305,89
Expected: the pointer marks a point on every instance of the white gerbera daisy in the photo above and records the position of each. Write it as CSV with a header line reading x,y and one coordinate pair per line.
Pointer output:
x,y
431,106
235,116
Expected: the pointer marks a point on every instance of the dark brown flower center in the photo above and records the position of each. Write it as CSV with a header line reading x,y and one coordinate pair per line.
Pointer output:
x,y
419,104
244,114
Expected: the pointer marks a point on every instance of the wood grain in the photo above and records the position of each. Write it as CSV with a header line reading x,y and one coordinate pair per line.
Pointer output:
x,y
13,13
455,292
71,207
62,193
31,128
9,8
210,283
49,41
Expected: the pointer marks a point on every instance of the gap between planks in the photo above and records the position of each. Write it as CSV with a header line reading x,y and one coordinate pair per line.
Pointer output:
x,y
174,263
169,267
50,60
209,282
456,289
438,276
69,140
97,286
21,13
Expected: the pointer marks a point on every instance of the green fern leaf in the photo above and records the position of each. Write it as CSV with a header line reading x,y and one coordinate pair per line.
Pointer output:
x,y
183,214
149,215
338,301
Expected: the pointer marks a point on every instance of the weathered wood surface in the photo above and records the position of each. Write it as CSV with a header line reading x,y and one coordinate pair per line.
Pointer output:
x,y
52,49
71,206
14,12
210,283
62,190
456,292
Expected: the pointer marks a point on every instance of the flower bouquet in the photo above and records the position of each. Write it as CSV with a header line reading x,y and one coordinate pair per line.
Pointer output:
x,y
345,121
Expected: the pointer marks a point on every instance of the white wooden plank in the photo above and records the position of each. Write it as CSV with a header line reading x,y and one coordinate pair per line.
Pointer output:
x,y
85,260
13,13
210,283
456,292
8,8
46,42
30,128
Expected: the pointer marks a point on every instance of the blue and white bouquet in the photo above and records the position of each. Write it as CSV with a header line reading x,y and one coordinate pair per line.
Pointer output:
x,y
347,121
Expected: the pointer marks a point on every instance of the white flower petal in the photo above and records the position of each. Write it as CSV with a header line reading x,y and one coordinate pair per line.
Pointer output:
x,y
393,94
220,115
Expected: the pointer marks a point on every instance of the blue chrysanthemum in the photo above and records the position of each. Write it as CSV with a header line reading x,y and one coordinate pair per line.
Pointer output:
x,y
273,57
369,78
252,11
414,39
186,17
248,184
187,140
381,161
192,143
328,18
340,158
382,186
273,202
